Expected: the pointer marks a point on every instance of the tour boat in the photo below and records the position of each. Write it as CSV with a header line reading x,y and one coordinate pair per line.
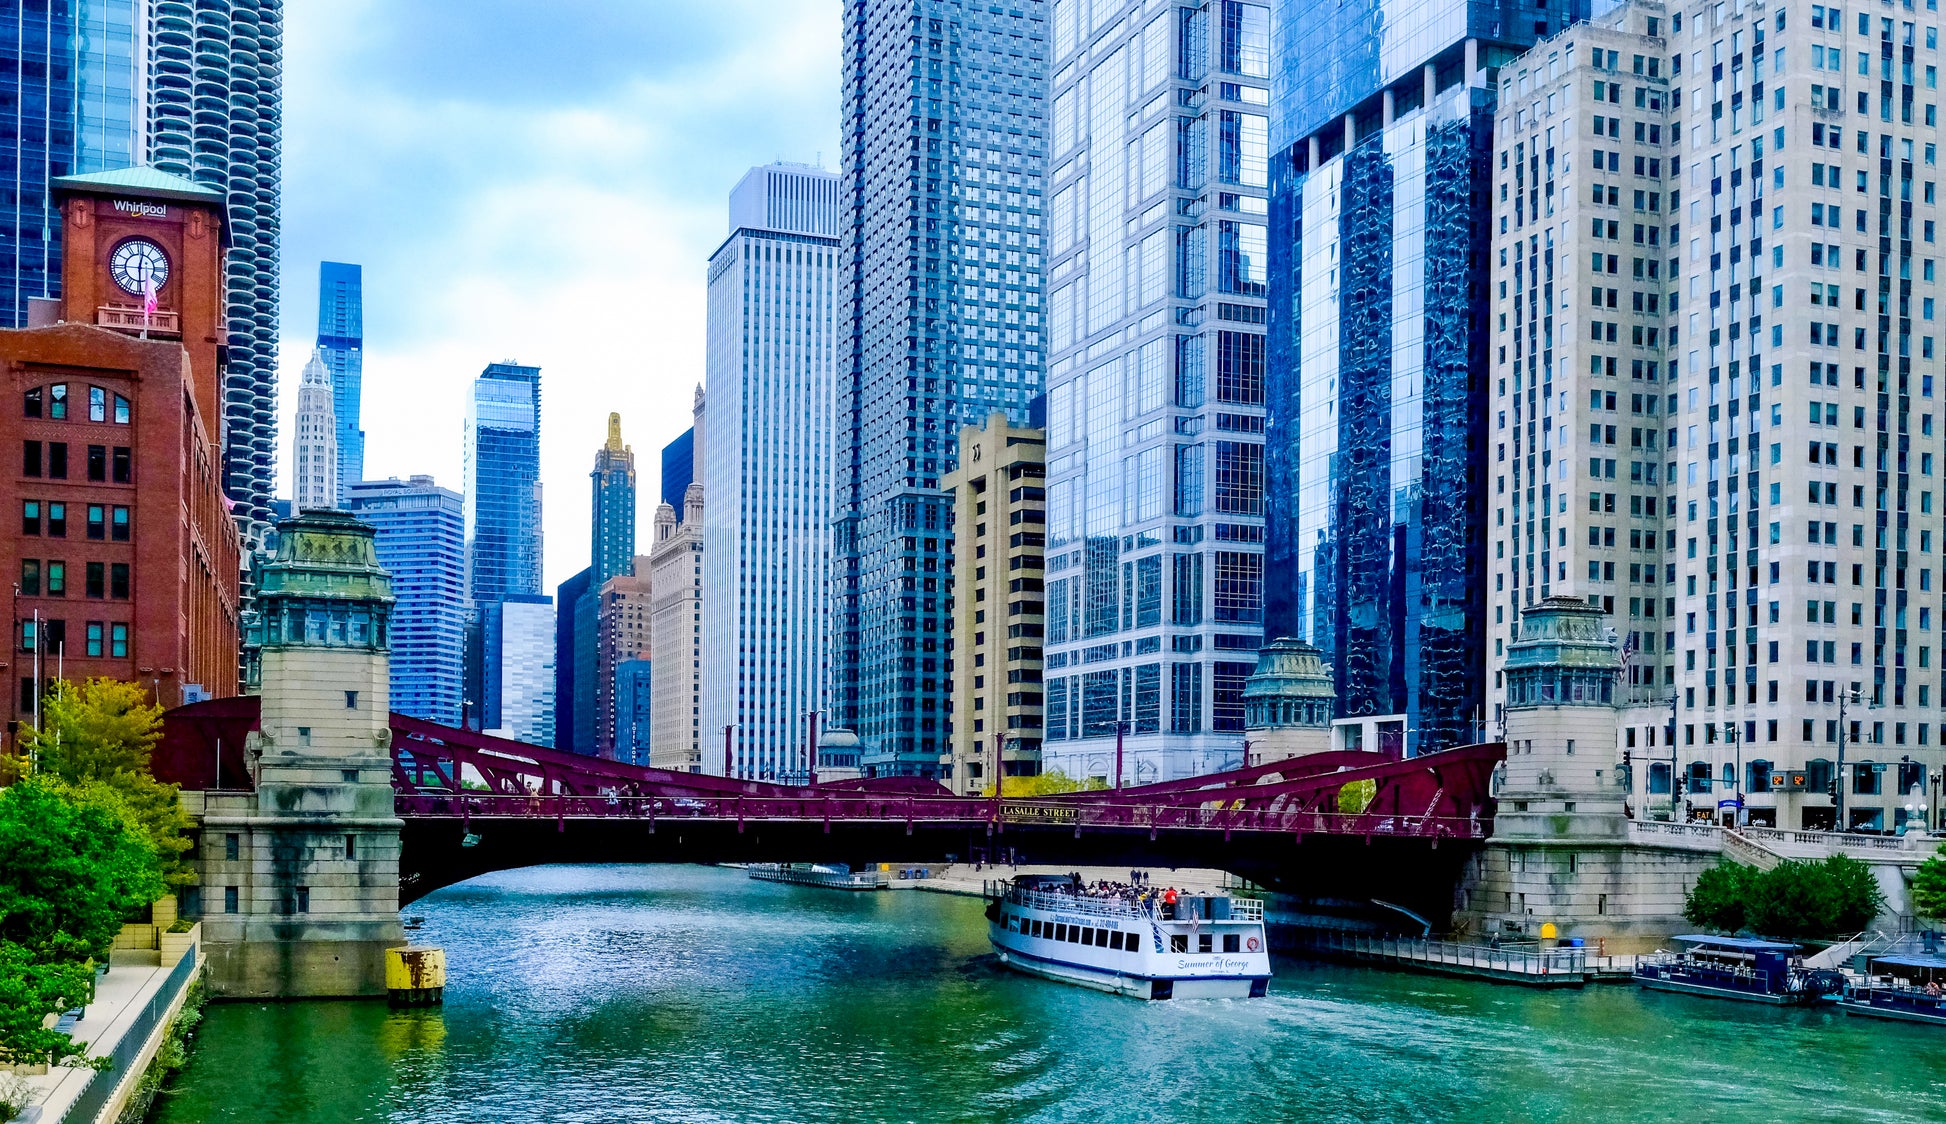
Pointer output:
x,y
1902,987
1755,971
1131,942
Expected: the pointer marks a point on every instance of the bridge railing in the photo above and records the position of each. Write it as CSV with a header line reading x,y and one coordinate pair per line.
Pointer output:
x,y
856,807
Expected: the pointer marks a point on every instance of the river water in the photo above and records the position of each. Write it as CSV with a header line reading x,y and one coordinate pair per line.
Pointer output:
x,y
624,993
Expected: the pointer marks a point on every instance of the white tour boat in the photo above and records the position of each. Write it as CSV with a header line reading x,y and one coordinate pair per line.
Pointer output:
x,y
1197,947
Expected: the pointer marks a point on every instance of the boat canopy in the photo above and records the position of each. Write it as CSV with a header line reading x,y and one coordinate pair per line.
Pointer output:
x,y
1928,963
1740,944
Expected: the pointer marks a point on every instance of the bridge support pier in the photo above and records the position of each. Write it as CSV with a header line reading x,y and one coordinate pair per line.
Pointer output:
x,y
301,877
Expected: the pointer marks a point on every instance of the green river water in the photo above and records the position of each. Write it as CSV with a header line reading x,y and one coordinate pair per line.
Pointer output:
x,y
626,993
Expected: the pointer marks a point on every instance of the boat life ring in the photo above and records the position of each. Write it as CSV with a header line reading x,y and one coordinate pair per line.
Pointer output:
x,y
1252,944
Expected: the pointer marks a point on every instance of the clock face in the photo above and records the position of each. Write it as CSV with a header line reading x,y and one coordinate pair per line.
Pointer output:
x,y
139,265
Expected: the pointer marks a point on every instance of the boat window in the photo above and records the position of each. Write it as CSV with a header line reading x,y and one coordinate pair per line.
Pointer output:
x,y
1078,935
1132,942
1232,942
1179,942
1101,938
1013,923
1060,932
1206,942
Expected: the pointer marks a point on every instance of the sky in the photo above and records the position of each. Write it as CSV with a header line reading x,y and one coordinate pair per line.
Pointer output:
x,y
541,181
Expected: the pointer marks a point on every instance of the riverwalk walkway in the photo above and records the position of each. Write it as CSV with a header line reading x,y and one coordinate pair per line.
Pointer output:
x,y
135,1001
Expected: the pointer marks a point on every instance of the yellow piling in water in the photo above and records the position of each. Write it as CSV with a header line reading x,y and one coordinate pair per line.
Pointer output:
x,y
415,975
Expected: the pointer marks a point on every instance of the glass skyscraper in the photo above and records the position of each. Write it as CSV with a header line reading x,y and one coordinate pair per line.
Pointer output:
x,y
1155,456
422,543
518,702
940,259
503,483
341,344
771,369
72,100
612,542
1376,438
215,116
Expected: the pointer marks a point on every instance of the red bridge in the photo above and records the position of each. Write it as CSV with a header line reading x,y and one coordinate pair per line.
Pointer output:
x,y
474,803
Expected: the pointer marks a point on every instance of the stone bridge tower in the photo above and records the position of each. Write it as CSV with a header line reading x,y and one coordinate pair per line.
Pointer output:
x,y
301,878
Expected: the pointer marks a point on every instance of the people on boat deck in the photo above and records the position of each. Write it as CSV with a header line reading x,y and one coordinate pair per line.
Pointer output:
x,y
1933,990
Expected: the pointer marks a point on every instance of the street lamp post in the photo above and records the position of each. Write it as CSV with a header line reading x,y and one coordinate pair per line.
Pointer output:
x,y
728,768
1852,696
1731,731
1674,756
1930,827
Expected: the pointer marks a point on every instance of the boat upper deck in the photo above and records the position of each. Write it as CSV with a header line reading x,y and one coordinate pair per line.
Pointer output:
x,y
1127,905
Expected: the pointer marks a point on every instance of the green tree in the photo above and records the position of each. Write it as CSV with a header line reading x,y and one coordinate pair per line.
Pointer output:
x,y
71,868
1719,897
1929,888
1054,782
1855,896
31,989
99,734
70,871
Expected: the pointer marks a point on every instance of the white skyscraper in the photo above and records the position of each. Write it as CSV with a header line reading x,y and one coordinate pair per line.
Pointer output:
x,y
314,448
767,462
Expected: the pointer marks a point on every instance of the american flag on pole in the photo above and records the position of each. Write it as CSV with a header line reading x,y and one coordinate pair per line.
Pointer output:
x,y
1628,658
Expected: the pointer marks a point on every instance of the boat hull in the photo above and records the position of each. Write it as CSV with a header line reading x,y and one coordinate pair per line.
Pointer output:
x,y
1897,1014
1135,987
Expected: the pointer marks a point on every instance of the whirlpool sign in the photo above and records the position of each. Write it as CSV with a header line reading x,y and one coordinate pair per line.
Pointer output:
x,y
142,210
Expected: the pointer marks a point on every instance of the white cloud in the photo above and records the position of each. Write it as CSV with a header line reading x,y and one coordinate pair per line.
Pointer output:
x,y
562,219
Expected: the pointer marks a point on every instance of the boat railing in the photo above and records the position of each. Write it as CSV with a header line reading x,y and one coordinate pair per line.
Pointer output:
x,y
1077,903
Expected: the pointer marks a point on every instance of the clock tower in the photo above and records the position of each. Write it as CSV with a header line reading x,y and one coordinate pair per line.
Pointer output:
x,y
143,255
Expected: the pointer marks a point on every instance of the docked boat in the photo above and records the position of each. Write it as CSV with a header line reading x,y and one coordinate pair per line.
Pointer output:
x,y
1135,944
829,876
1752,970
1906,987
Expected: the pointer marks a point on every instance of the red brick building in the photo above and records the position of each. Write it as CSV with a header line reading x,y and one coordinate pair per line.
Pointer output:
x,y
120,539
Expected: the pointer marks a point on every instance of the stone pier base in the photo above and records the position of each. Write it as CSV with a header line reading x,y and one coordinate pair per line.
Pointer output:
x,y
1627,896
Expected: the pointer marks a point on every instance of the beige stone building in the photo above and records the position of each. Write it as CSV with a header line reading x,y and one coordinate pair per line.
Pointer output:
x,y
675,568
999,542
1715,381
621,633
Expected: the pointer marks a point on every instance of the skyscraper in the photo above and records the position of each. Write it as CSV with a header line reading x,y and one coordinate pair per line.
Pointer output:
x,y
519,647
341,344
1155,487
422,544
678,467
574,677
676,635
1376,449
1738,227
73,95
314,447
940,253
622,624
612,549
772,367
503,483
216,117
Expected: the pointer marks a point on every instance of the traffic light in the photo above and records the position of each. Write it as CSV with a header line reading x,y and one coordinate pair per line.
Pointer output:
x,y
1680,782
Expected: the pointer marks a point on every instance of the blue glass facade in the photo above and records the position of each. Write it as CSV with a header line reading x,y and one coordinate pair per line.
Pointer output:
x,y
611,547
574,684
678,468
503,483
518,697
945,145
71,101
1377,387
422,543
632,709
341,344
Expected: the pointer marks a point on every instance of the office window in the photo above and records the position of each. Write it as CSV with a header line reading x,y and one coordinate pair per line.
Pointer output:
x,y
98,463
1226,695
30,517
1185,698
95,633
121,410
97,580
124,466
30,458
57,401
57,579
31,403
118,581
1239,478
57,520
97,404
30,577
1238,593
119,527
118,641
57,460
1240,368
97,521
